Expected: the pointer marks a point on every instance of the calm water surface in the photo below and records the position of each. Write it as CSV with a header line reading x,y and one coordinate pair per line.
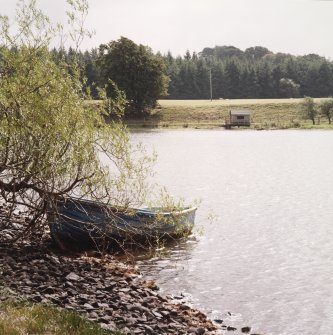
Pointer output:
x,y
267,259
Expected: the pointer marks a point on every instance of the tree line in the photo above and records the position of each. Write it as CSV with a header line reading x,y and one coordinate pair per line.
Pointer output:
x,y
255,73
226,72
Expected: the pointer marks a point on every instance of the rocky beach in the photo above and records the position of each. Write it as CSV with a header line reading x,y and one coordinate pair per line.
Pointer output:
x,y
99,287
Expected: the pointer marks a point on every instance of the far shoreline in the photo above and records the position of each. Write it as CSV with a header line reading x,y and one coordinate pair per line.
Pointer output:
x,y
266,114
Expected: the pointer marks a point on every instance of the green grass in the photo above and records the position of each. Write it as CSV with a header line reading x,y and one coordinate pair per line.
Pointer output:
x,y
265,114
23,318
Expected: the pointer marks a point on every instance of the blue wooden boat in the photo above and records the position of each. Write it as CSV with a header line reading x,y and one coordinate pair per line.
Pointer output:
x,y
83,222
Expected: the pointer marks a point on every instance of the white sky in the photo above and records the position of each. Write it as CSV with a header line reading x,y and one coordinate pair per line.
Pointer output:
x,y
292,26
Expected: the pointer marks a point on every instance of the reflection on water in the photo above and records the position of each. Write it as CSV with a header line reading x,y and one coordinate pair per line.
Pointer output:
x,y
160,263
267,260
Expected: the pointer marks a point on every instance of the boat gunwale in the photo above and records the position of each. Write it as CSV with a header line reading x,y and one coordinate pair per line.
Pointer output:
x,y
127,211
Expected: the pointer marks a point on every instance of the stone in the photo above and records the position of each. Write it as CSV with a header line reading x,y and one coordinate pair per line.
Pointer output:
x,y
83,297
106,295
63,295
173,313
105,319
88,307
130,321
69,307
165,313
69,284
158,315
95,304
108,326
73,277
93,315
184,307
200,331
229,328
246,329
148,329
49,290
37,298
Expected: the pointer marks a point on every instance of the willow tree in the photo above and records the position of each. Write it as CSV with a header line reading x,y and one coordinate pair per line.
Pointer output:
x,y
50,143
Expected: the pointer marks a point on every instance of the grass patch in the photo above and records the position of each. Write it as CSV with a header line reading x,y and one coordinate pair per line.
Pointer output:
x,y
265,114
23,318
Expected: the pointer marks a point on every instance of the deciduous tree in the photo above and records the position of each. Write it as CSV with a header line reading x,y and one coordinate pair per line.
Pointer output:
x,y
309,109
136,71
326,109
50,144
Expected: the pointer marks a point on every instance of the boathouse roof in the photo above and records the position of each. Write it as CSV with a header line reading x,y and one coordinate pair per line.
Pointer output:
x,y
240,112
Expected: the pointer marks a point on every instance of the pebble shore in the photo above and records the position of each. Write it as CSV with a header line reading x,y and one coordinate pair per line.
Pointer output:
x,y
103,290
99,287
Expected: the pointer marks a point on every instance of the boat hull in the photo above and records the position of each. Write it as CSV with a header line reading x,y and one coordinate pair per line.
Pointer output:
x,y
83,223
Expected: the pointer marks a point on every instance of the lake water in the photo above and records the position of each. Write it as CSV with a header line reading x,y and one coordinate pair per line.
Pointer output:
x,y
267,258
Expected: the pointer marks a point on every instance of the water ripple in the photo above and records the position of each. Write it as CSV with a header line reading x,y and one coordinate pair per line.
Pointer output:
x,y
268,258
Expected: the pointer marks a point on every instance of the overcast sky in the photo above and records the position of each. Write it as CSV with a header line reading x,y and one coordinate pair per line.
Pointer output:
x,y
292,26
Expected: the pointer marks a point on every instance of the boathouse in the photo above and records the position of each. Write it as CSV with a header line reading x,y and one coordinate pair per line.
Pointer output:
x,y
237,118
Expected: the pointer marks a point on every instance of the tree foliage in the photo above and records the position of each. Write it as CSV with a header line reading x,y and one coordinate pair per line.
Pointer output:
x,y
309,109
326,109
253,73
50,144
136,71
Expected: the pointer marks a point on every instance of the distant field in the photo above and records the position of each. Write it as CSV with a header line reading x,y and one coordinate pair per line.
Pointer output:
x,y
225,102
265,113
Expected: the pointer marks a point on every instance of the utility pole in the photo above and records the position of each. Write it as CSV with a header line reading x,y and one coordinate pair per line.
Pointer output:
x,y
210,84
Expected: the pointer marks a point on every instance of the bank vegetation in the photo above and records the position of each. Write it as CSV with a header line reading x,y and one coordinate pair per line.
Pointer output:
x,y
265,113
